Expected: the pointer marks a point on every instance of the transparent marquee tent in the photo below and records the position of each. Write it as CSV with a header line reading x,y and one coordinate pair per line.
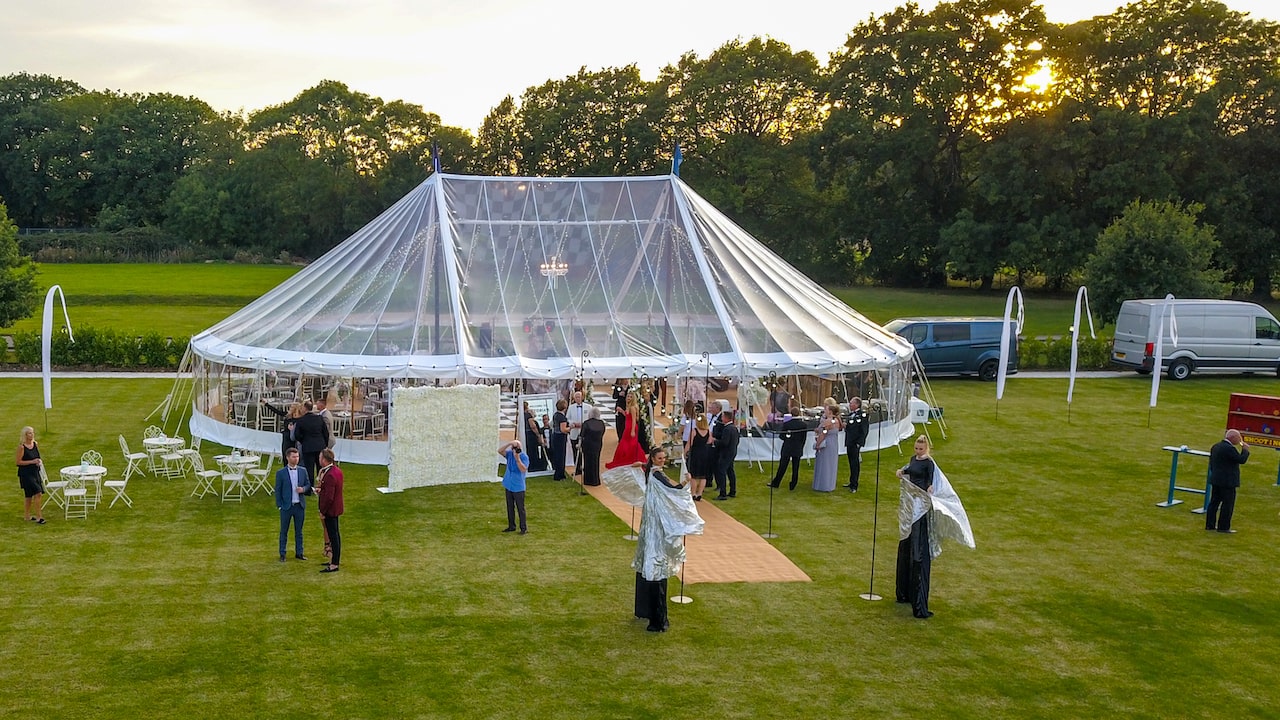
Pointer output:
x,y
478,279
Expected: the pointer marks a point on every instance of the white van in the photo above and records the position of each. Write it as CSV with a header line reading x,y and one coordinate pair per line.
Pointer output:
x,y
1212,335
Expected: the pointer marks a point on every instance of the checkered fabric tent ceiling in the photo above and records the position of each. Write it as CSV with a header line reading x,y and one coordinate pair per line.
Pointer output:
x,y
499,277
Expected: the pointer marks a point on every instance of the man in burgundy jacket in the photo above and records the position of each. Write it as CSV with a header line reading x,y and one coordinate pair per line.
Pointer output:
x,y
330,481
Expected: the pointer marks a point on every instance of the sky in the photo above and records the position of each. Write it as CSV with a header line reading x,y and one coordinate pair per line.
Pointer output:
x,y
456,58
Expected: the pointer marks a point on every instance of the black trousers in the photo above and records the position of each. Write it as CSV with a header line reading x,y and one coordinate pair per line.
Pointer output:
x,y
793,461
1222,505
914,564
576,443
726,478
515,503
854,453
559,444
651,602
335,539
311,461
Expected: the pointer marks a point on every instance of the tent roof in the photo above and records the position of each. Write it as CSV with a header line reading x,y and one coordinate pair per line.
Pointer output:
x,y
497,277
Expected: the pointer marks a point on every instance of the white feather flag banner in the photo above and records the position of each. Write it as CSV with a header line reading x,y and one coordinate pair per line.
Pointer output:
x,y
1165,309
1004,337
46,337
1082,297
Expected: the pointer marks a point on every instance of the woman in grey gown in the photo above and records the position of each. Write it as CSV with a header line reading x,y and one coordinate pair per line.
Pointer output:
x,y
826,443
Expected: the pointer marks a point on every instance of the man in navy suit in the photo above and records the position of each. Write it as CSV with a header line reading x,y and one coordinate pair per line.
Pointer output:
x,y
293,485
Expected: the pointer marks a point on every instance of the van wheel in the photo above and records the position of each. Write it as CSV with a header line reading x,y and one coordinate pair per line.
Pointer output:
x,y
1180,369
988,370
1143,371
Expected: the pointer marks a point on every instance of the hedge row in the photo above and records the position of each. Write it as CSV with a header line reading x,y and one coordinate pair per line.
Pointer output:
x,y
134,244
110,348
105,348
1055,354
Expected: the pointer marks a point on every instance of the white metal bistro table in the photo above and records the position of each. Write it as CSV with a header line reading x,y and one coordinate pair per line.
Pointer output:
x,y
236,464
85,474
159,447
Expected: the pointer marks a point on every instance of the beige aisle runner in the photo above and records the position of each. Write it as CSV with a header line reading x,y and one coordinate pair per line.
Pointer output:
x,y
726,551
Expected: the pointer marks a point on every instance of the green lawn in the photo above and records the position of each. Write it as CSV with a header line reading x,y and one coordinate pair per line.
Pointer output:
x,y
1083,599
174,299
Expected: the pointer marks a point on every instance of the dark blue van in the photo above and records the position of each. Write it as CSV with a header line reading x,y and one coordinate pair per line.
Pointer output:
x,y
958,345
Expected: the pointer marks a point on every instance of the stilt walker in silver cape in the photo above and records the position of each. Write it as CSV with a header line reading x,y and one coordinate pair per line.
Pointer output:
x,y
669,515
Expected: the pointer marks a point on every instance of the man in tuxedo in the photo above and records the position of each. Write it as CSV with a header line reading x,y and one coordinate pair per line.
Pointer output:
x,y
313,436
293,485
794,432
855,436
620,390
577,415
726,443
1225,459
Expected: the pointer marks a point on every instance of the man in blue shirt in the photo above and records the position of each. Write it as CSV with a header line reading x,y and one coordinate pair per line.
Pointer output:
x,y
513,481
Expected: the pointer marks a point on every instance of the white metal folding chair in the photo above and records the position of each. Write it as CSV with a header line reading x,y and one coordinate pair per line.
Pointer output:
x,y
92,457
120,487
76,496
257,478
204,478
173,465
53,490
134,459
187,453
233,486
153,453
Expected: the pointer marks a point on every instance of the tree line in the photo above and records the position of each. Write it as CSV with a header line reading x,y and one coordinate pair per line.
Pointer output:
x,y
974,141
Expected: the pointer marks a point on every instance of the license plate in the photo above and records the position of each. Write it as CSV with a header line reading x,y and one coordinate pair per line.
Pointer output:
x,y
1119,356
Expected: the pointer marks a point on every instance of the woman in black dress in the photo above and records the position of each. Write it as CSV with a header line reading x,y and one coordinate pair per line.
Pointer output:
x,y
592,442
914,557
29,476
559,440
697,457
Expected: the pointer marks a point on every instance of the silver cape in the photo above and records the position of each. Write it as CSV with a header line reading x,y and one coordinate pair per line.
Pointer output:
x,y
669,515
947,518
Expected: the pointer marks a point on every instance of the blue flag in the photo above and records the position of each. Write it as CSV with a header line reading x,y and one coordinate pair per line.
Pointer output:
x,y
676,159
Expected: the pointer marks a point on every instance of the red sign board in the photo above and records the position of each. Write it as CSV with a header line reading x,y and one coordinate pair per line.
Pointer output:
x,y
1257,417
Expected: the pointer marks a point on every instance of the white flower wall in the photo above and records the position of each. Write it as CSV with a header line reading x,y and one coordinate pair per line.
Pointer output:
x,y
444,435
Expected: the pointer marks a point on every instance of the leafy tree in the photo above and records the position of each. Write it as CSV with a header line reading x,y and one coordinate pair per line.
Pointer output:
x,y
19,94
142,144
591,123
1158,57
744,117
1152,249
932,86
499,141
19,294
749,89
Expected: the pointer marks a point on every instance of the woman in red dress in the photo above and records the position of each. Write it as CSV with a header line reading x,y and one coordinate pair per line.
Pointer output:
x,y
629,451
